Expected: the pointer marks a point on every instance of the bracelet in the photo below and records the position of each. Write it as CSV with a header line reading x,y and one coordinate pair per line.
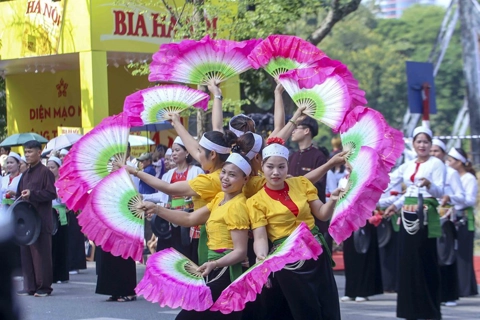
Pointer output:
x,y
292,122
136,172
216,264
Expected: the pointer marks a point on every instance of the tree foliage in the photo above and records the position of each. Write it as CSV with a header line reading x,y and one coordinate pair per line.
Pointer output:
x,y
375,50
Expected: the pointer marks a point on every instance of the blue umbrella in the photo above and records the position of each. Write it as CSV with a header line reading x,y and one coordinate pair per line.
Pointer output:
x,y
19,139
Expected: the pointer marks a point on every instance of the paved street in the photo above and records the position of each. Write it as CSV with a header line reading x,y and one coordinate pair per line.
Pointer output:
x,y
76,300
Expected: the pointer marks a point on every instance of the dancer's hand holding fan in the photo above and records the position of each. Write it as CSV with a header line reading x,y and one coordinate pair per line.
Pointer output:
x,y
153,104
366,182
278,54
172,280
367,127
90,160
328,101
197,62
113,217
309,77
300,245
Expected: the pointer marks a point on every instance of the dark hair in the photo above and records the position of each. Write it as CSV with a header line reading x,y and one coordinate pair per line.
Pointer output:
x,y
246,143
468,165
224,140
189,157
7,149
310,123
32,144
236,149
324,151
243,123
426,135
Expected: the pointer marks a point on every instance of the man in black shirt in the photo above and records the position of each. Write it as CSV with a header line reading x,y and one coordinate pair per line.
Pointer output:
x,y
308,158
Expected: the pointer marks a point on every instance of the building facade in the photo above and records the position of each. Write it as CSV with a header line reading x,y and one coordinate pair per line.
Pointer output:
x,y
393,9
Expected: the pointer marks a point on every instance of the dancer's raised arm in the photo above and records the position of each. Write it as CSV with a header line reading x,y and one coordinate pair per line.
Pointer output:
x,y
217,111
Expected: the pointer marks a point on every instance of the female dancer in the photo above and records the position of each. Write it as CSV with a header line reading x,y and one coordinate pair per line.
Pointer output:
x,y
453,195
457,159
183,171
419,275
60,238
227,224
275,211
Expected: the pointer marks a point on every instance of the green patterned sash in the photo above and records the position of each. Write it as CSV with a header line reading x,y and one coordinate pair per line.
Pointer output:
x,y
235,270
62,213
434,229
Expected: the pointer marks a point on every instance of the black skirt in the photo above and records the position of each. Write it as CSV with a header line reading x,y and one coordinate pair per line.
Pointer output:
x,y
216,287
76,244
449,280
467,281
116,276
310,291
389,264
363,276
60,254
419,276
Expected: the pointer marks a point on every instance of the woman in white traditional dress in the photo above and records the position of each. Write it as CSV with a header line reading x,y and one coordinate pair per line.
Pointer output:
x,y
465,212
453,195
419,275
8,192
10,181
183,171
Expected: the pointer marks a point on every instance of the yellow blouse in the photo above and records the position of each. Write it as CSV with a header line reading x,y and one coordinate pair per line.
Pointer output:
x,y
254,184
206,186
279,221
232,215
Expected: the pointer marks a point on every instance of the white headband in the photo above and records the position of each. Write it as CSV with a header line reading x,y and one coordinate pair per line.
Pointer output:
x,y
56,160
439,143
179,141
275,149
425,130
455,154
14,155
63,152
239,133
209,145
240,162
23,159
168,152
256,146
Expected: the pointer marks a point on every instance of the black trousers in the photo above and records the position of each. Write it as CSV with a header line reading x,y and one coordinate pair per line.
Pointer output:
x,y
37,264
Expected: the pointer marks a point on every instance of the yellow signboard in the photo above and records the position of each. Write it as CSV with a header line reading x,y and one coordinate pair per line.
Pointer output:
x,y
42,27
42,102
67,130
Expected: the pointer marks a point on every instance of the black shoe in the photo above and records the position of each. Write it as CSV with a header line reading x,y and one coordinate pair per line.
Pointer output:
x,y
25,293
41,293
